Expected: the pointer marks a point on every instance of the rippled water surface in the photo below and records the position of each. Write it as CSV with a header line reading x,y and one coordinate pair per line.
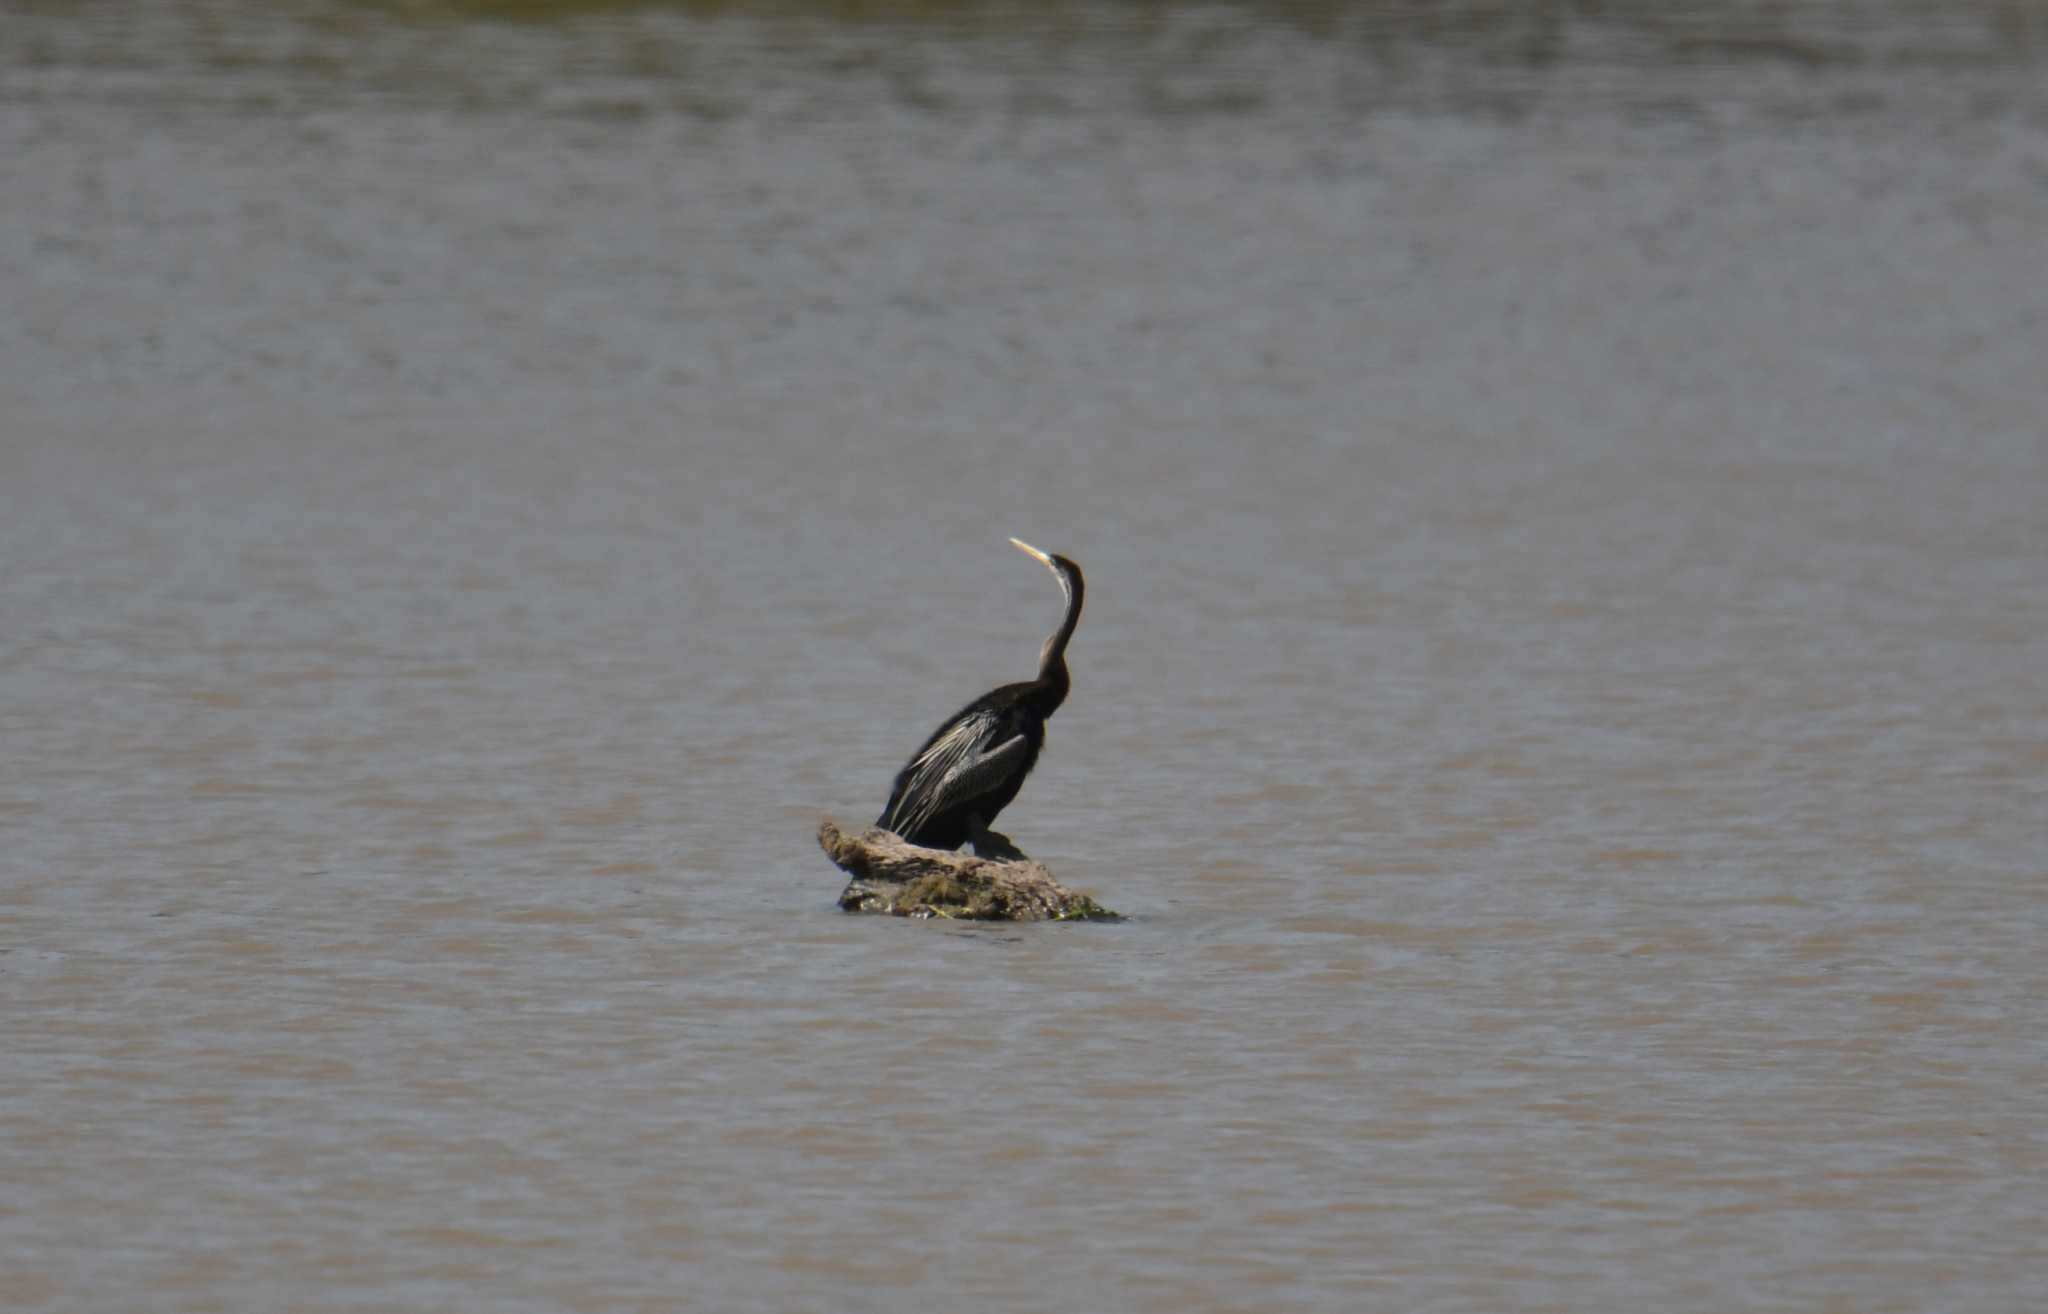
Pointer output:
x,y
1563,700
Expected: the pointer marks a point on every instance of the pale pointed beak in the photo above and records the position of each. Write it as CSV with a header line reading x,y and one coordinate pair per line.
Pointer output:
x,y
1043,559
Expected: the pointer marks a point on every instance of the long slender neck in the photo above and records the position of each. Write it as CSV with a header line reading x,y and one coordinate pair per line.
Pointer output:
x,y
1052,658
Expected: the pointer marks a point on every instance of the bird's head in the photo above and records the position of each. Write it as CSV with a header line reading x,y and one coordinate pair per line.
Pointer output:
x,y
1063,569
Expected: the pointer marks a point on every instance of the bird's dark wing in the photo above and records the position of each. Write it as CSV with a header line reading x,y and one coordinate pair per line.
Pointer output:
x,y
964,762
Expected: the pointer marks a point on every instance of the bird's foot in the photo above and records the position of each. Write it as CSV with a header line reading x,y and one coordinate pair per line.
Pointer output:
x,y
993,844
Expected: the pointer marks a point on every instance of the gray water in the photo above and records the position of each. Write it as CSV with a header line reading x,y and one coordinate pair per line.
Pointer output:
x,y
1562,703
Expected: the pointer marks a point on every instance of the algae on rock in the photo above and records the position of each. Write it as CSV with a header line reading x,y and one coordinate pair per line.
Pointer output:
x,y
906,880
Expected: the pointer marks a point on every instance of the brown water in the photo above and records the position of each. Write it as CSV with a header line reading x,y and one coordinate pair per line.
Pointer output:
x,y
1563,697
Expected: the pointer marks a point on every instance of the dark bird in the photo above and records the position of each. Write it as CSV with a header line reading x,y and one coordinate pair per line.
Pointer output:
x,y
975,763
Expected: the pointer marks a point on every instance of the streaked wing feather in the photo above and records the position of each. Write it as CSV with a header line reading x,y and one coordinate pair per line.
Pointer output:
x,y
961,763
975,776
910,808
